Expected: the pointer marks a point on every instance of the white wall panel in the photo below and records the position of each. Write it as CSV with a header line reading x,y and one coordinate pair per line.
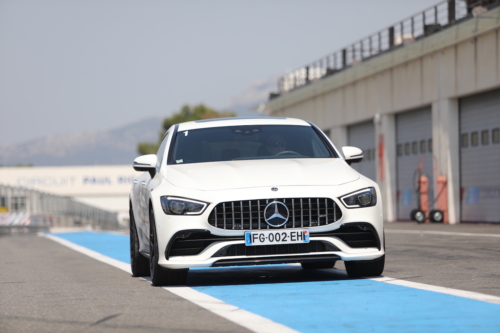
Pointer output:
x,y
486,60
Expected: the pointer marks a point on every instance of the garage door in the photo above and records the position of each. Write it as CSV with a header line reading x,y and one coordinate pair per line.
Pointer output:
x,y
363,137
414,149
480,157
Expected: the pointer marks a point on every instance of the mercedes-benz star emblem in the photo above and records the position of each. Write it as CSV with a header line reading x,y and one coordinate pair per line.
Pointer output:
x,y
276,214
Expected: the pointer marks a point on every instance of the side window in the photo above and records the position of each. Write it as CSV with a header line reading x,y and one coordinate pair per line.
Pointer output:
x,y
414,147
423,147
465,140
161,151
407,148
495,135
485,137
474,139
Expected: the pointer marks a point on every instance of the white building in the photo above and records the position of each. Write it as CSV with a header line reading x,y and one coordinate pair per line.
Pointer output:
x,y
105,187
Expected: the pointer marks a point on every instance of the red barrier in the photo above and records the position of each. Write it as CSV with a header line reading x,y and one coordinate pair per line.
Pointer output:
x,y
424,195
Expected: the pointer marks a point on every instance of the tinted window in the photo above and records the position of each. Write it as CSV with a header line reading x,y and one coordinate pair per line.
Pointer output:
x,y
474,139
248,143
496,135
414,147
485,137
465,140
422,147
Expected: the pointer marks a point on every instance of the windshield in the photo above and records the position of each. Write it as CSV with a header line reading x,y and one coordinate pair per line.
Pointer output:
x,y
248,143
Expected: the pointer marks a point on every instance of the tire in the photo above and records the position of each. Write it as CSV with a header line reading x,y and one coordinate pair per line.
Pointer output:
x,y
318,265
417,215
138,263
365,268
161,276
412,214
436,216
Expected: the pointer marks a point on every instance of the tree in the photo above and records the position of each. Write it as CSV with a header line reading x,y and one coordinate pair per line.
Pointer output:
x,y
187,113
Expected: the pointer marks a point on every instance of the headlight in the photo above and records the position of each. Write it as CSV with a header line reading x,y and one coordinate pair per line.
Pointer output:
x,y
181,206
363,198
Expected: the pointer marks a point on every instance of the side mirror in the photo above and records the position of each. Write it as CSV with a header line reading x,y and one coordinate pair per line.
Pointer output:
x,y
146,163
352,154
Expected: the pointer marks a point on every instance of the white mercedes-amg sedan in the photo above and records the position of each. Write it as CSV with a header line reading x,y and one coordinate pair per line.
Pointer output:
x,y
252,191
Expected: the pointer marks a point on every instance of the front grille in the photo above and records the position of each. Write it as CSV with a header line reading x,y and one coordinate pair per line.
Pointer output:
x,y
249,214
243,250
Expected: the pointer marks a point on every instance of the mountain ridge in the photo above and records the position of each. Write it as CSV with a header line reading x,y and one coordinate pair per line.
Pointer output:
x,y
101,147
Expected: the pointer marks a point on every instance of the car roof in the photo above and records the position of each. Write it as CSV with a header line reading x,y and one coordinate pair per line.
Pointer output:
x,y
237,121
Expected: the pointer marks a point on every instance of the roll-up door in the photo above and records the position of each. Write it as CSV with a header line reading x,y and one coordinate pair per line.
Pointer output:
x,y
414,150
480,157
363,137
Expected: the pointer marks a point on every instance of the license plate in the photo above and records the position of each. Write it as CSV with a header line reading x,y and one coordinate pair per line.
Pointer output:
x,y
291,236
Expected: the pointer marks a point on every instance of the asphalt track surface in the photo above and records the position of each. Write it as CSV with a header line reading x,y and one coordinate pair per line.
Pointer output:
x,y
47,287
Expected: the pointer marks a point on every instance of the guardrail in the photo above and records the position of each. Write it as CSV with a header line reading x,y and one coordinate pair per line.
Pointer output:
x,y
27,208
405,32
22,229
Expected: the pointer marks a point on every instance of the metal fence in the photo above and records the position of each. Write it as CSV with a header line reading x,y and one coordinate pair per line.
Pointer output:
x,y
27,208
416,27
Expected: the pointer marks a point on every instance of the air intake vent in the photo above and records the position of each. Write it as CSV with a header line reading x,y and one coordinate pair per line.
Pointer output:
x,y
249,214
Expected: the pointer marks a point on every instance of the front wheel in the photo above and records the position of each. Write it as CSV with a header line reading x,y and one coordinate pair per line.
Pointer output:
x,y
365,268
161,276
138,263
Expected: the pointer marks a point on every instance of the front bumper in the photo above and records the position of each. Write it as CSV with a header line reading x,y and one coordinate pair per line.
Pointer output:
x,y
200,248
191,242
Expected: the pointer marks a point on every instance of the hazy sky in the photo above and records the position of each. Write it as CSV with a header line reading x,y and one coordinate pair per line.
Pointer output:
x,y
68,65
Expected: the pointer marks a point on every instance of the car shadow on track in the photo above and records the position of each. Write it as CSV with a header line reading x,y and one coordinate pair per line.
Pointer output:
x,y
261,275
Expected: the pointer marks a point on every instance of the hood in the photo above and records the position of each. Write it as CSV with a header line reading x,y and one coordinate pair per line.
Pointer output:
x,y
259,173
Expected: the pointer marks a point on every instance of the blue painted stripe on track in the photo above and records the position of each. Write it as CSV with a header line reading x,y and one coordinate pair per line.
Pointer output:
x,y
112,245
342,306
359,306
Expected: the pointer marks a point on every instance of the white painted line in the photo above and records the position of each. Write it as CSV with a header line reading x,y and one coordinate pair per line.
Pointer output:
x,y
96,255
424,232
237,315
442,290
230,312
